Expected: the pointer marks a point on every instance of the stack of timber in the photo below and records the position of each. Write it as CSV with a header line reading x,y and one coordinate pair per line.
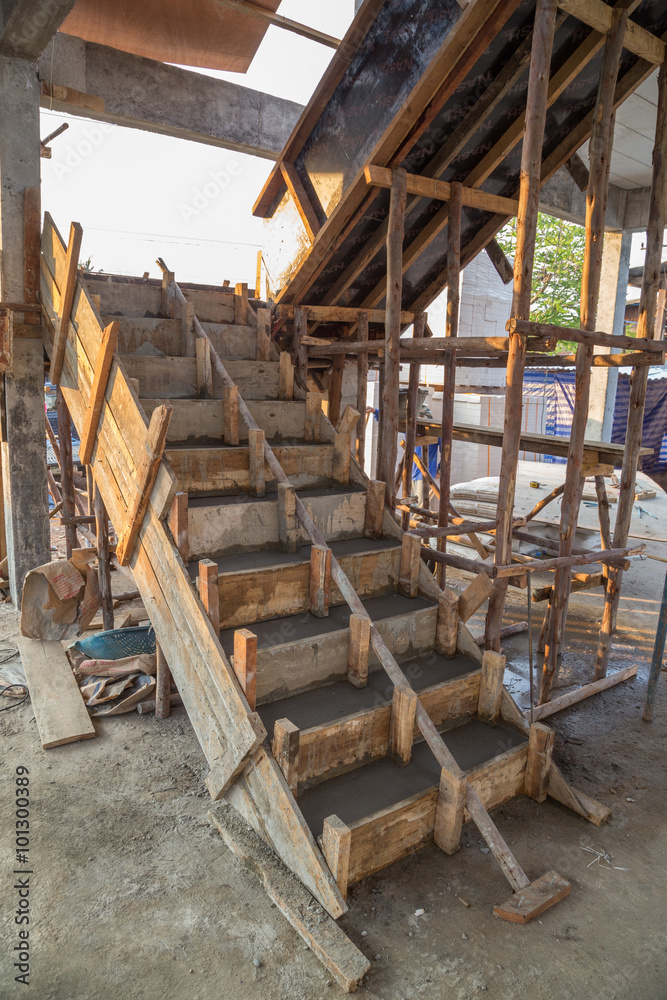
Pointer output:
x,y
343,707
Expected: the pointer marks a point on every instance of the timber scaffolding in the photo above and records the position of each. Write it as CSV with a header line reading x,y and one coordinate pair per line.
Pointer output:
x,y
341,702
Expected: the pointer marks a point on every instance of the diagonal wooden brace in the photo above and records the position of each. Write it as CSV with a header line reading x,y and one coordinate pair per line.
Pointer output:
x,y
146,474
97,391
65,306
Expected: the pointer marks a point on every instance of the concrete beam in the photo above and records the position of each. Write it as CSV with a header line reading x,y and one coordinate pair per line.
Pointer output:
x,y
627,210
112,86
27,26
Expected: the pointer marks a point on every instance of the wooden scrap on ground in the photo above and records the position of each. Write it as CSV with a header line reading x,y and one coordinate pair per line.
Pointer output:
x,y
60,712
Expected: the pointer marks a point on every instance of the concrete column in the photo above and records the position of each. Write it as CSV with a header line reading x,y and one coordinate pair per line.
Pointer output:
x,y
610,319
23,435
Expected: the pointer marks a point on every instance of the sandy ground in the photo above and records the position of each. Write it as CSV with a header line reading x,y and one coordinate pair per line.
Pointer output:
x,y
133,895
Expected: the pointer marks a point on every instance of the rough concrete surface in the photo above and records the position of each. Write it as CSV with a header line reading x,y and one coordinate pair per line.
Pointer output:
x,y
134,895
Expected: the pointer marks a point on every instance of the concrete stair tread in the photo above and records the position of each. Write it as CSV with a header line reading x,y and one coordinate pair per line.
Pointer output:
x,y
241,562
270,497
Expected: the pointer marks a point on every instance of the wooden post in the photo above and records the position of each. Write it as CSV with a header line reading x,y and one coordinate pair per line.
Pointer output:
x,y
375,491
90,489
408,577
657,221
204,371
168,295
358,649
188,338
362,388
241,308
531,164
177,519
336,388
449,811
97,391
103,561
596,207
402,724
447,623
389,426
320,580
336,843
256,461
230,409
146,473
263,334
245,663
449,366
300,349
491,686
285,377
207,584
311,430
162,685
285,748
411,417
287,520
66,472
540,748
258,276
342,452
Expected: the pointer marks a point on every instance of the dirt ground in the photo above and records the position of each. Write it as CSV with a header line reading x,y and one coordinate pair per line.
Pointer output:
x,y
133,895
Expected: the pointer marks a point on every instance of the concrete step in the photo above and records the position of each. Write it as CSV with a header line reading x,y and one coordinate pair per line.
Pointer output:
x,y
341,727
202,420
224,470
255,586
223,525
176,377
137,298
229,341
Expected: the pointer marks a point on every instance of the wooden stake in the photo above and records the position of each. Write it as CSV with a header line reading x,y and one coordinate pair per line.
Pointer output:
x,y
411,417
66,472
285,377
168,294
287,520
188,330
358,649
263,334
389,428
103,561
362,388
144,481
449,811
285,747
408,578
375,497
245,664
65,306
300,349
336,843
313,415
256,461
204,371
207,585
538,766
258,276
320,580
97,391
230,409
491,687
241,308
342,453
402,724
336,388
447,623
177,519
162,685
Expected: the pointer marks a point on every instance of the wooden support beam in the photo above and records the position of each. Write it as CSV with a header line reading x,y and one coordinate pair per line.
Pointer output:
x,y
578,171
449,811
250,9
241,307
97,391
339,314
583,692
408,578
320,580
264,335
285,748
447,623
65,304
204,370
298,346
387,448
474,595
168,296
591,338
103,561
358,649
538,766
256,440
207,585
311,431
428,187
375,499
245,664
335,388
362,388
501,263
162,685
285,377
402,724
342,454
177,520
144,481
491,686
66,473
287,519
302,202
411,417
599,16
230,408
188,338
336,843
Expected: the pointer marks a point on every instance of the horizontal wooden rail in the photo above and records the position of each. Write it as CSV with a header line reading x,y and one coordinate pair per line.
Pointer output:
x,y
428,187
599,16
595,338
532,565
338,314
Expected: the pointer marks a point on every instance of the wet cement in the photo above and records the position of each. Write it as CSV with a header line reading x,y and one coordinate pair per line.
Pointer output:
x,y
360,793
240,562
230,499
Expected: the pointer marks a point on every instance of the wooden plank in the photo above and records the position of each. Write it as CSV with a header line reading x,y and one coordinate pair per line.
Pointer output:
x,y
245,663
204,371
474,595
447,627
491,686
335,388
177,520
188,339
362,389
449,811
336,842
256,462
207,586
342,453
285,377
98,390
358,650
285,748
408,580
538,766
411,415
428,187
313,418
287,520
449,368
402,725
264,336
534,899
375,502
320,932
300,348
230,400
145,480
241,307
302,202
59,709
320,580
67,290
391,834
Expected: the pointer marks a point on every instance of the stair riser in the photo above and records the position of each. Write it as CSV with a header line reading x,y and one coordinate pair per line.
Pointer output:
x,y
244,526
140,300
330,749
284,590
229,341
289,668
203,419
225,470
176,377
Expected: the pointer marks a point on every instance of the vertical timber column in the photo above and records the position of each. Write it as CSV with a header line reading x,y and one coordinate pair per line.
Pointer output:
x,y
531,162
23,439
657,220
388,445
449,366
411,417
596,210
